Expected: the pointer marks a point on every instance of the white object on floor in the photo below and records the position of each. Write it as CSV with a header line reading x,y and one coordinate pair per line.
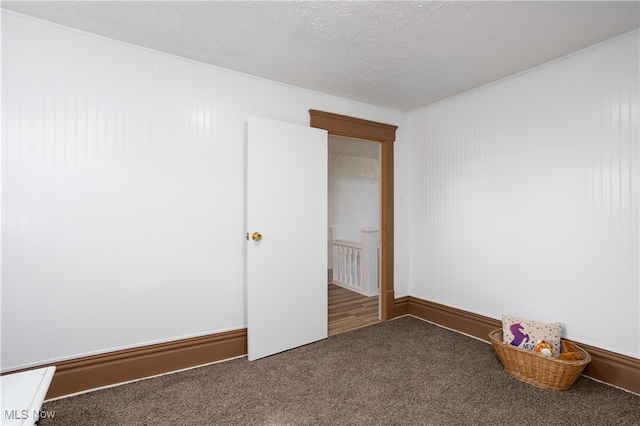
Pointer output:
x,y
23,394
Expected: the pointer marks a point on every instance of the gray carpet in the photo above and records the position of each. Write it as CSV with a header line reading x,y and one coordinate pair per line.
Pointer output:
x,y
400,372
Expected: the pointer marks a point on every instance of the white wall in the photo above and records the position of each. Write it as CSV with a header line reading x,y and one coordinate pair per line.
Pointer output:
x,y
122,185
524,197
122,191
354,195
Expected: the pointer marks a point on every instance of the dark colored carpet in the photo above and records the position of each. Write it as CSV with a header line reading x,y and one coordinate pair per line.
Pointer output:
x,y
400,372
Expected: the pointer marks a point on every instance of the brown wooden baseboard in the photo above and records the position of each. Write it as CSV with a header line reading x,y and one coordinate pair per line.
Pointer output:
x,y
455,319
86,373
616,369
83,374
610,367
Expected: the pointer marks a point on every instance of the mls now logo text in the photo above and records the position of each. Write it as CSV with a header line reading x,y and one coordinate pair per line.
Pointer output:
x,y
34,415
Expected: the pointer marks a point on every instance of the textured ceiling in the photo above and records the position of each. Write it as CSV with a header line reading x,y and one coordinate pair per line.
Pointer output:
x,y
401,55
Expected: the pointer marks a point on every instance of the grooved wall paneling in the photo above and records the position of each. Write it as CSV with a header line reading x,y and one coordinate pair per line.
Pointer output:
x,y
123,191
524,197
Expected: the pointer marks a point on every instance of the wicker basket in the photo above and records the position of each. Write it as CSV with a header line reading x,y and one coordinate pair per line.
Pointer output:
x,y
536,369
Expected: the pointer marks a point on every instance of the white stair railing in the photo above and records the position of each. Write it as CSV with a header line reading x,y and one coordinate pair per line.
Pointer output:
x,y
355,265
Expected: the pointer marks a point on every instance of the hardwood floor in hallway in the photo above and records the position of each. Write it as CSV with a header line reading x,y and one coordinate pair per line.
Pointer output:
x,y
349,310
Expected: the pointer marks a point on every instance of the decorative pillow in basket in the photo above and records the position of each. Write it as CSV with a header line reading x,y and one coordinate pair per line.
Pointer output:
x,y
525,334
515,348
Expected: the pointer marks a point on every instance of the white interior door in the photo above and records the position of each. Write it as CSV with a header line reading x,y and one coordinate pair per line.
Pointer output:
x,y
287,206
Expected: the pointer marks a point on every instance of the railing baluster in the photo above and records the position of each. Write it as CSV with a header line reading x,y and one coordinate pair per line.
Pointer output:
x,y
355,265
352,266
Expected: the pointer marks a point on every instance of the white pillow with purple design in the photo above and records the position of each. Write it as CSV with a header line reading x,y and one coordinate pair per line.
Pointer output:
x,y
524,333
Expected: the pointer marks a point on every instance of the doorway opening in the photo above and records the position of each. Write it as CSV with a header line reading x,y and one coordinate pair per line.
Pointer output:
x,y
384,134
354,233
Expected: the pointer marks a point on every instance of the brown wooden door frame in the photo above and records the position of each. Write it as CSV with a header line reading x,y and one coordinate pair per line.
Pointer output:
x,y
342,125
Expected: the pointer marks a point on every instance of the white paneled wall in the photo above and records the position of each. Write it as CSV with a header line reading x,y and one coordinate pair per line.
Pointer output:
x,y
122,191
524,197
122,194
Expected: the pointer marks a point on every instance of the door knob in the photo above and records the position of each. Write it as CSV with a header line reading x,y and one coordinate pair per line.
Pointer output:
x,y
256,236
